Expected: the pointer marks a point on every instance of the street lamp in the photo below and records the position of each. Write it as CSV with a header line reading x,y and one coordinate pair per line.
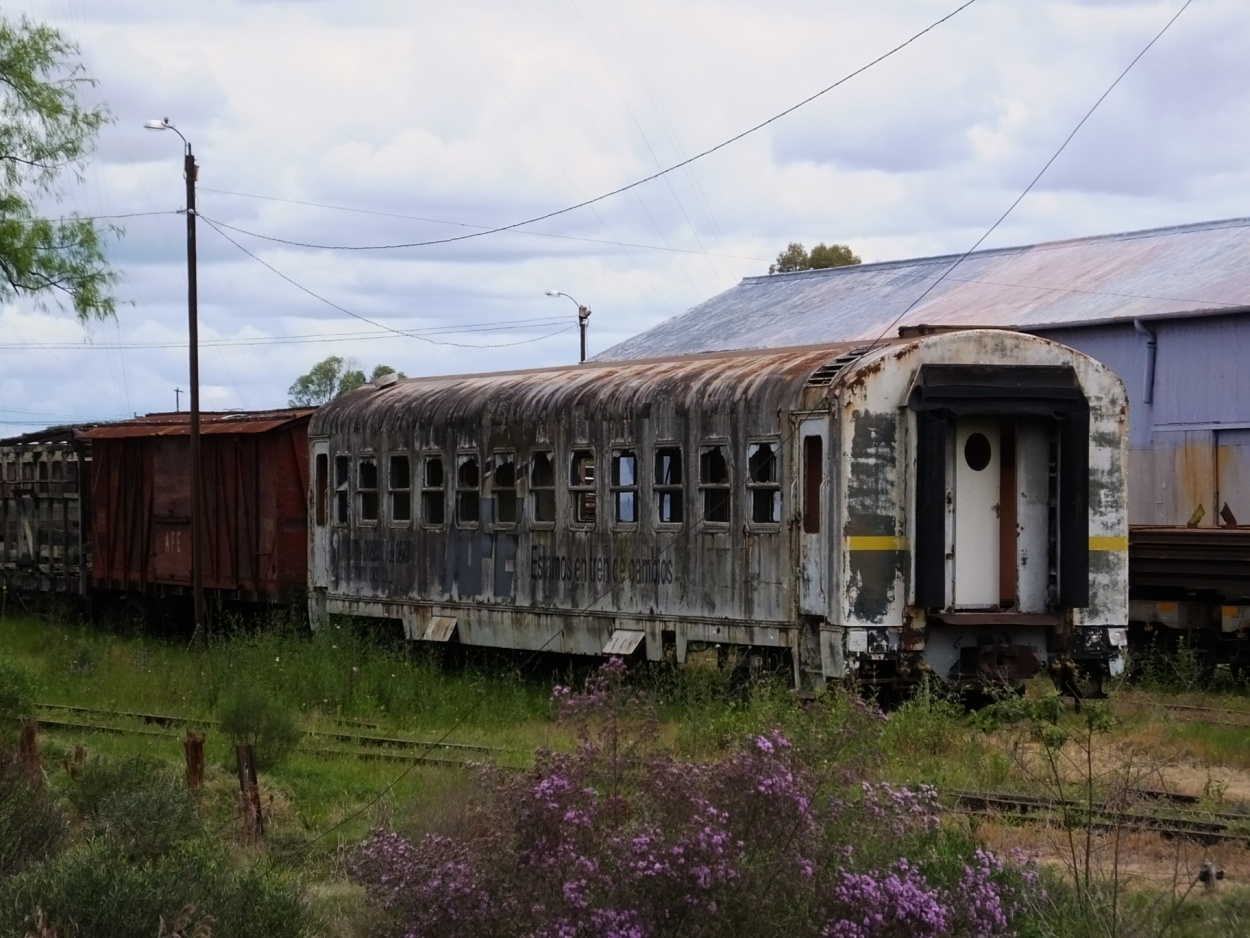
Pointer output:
x,y
197,505
583,315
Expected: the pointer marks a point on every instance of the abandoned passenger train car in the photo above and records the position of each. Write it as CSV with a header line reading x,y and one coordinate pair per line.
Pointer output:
x,y
953,503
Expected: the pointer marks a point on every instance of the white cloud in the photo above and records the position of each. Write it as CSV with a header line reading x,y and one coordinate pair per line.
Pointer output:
x,y
487,113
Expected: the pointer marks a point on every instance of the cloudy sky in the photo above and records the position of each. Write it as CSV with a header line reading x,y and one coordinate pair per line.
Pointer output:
x,y
365,123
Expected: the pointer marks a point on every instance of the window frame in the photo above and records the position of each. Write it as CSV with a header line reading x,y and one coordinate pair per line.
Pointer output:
x,y
659,488
577,492
363,491
458,490
532,491
391,490
427,490
616,488
726,487
493,465
342,502
776,485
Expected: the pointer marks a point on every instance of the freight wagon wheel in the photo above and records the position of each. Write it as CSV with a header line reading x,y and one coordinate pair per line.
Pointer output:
x,y
133,615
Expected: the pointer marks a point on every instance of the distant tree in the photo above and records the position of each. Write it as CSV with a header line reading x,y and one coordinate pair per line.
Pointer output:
x,y
328,379
797,257
45,131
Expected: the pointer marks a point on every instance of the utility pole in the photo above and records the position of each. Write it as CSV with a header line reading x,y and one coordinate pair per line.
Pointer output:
x,y
193,340
177,400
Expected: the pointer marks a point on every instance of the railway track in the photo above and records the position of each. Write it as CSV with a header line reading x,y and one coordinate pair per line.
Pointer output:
x,y
60,717
1219,716
1205,827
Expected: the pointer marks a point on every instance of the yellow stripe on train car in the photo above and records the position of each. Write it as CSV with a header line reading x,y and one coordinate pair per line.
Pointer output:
x,y
876,543
1108,543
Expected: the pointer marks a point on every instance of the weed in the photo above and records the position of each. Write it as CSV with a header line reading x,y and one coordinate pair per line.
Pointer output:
x,y
32,827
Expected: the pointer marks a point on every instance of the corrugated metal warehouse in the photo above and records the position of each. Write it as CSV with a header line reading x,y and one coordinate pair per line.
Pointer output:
x,y
1168,309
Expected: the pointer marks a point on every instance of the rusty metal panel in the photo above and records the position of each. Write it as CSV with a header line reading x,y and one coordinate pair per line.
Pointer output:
x,y
210,424
254,485
1174,560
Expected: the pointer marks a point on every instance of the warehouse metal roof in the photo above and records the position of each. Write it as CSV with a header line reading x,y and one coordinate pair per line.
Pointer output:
x,y
1141,274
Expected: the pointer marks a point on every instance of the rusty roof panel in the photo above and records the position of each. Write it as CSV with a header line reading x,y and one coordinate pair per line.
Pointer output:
x,y
1165,271
210,424
604,388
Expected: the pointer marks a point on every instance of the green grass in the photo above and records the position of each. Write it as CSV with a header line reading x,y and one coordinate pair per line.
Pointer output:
x,y
348,672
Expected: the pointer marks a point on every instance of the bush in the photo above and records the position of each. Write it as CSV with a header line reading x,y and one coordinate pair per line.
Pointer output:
x,y
19,689
249,716
32,828
618,838
96,891
102,778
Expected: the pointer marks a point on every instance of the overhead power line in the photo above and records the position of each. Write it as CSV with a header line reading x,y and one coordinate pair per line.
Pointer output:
x,y
1033,182
625,188
461,224
372,322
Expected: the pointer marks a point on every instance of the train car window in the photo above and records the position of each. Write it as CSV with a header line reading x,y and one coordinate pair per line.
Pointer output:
x,y
668,485
714,482
342,471
433,502
321,494
582,486
399,479
625,486
367,489
764,482
468,489
543,486
503,488
813,468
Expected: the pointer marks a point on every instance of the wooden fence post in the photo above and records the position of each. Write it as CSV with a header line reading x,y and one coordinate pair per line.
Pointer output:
x,y
28,754
249,792
193,745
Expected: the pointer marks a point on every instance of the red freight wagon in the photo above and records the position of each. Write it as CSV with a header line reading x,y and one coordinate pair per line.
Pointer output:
x,y
255,480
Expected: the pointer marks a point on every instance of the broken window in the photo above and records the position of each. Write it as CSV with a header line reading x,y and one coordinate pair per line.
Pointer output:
x,y
322,490
668,484
714,482
342,472
468,489
400,479
503,488
625,485
582,486
433,499
764,482
543,486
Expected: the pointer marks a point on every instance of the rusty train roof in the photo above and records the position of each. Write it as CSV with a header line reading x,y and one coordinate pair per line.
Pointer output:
x,y
602,388
1181,270
179,424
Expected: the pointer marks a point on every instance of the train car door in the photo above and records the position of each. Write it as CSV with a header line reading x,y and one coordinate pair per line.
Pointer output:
x,y
978,494
319,555
813,501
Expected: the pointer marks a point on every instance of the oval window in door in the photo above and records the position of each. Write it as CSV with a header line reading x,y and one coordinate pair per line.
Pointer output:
x,y
977,452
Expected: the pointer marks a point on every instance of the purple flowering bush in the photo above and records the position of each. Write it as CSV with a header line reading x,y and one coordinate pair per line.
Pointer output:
x,y
619,839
